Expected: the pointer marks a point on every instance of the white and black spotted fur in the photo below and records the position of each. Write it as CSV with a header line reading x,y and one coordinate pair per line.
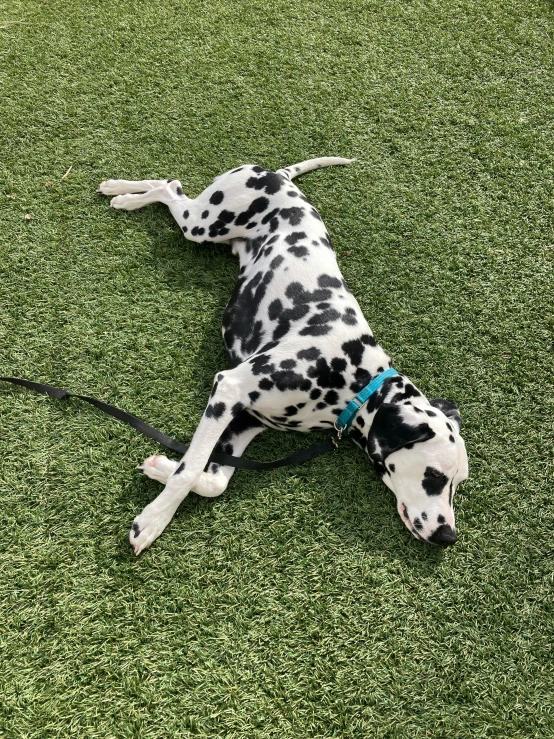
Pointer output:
x,y
300,349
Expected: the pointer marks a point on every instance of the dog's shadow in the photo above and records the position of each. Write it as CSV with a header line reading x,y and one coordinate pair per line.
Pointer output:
x,y
362,511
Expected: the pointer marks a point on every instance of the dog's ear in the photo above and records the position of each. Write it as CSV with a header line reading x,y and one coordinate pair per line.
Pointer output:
x,y
395,427
449,408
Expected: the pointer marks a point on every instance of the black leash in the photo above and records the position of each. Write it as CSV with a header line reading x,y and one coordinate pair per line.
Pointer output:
x,y
144,428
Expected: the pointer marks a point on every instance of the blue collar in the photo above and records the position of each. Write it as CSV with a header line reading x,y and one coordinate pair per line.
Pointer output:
x,y
344,421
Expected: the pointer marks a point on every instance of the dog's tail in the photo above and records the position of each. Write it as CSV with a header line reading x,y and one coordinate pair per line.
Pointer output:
x,y
297,169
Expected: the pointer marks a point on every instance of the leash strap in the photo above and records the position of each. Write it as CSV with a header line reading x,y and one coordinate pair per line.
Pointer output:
x,y
146,430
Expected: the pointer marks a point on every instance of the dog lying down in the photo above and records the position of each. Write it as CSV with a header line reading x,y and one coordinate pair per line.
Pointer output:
x,y
300,349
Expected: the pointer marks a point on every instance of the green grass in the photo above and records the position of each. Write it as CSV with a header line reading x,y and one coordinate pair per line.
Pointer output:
x,y
297,605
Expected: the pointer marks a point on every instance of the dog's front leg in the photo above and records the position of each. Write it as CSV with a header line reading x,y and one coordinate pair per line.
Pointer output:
x,y
225,402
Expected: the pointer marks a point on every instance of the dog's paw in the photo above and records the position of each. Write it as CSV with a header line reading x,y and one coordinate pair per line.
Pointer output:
x,y
158,467
124,202
147,526
111,187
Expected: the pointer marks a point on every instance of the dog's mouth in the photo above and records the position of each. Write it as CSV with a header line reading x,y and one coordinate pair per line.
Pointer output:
x,y
443,536
409,524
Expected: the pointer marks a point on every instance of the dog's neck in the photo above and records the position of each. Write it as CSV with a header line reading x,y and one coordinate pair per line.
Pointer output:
x,y
396,391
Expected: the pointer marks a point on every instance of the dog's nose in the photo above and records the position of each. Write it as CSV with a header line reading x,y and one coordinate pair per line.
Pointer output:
x,y
444,535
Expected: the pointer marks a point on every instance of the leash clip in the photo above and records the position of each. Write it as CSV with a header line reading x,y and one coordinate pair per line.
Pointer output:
x,y
340,430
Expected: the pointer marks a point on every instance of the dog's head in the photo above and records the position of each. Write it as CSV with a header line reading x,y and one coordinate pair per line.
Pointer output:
x,y
418,450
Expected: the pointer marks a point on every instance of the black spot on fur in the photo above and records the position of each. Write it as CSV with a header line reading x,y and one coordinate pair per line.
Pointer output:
x,y
295,236
256,206
433,481
295,291
328,281
216,410
310,354
331,397
205,214
179,469
325,375
227,216
298,251
271,182
326,316
216,197
261,365
275,309
362,378
409,392
254,395
292,215
354,350
315,330
291,314
350,317
270,215
289,380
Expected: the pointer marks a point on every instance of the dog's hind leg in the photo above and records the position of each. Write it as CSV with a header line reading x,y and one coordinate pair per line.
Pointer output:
x,y
188,213
211,483
124,187
169,192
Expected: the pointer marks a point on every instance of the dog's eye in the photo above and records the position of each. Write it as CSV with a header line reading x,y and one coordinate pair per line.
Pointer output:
x,y
434,473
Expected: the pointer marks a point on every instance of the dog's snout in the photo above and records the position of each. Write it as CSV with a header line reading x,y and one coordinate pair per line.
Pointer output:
x,y
444,535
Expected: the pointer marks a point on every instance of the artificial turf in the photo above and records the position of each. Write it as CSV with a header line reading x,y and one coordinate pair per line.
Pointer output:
x,y
297,605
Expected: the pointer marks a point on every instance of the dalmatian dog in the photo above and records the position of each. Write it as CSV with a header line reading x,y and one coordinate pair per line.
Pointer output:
x,y
300,349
